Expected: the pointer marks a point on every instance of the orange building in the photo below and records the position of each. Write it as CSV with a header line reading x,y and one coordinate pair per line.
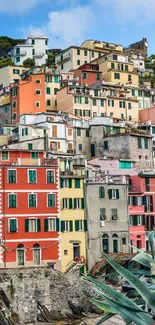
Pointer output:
x,y
28,96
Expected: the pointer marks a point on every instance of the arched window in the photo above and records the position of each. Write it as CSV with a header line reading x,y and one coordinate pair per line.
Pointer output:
x,y
105,243
20,254
115,243
114,236
36,254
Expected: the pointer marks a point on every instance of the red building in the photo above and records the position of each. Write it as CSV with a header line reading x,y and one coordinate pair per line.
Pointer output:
x,y
88,74
141,208
29,210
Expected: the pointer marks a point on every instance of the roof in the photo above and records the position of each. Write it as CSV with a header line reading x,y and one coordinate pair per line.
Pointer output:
x,y
101,42
78,47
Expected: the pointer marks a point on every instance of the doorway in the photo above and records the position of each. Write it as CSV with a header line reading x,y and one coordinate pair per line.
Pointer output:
x,y
20,254
36,254
76,251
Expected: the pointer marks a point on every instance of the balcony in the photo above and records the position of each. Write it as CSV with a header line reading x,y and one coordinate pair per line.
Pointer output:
x,y
39,55
73,173
63,58
29,162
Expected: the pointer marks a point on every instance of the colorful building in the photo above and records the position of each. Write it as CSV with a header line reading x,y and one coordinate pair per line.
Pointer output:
x,y
104,47
88,74
73,223
11,73
29,210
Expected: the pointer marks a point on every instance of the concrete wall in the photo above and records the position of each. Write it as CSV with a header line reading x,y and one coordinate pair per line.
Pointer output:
x,y
38,144
97,228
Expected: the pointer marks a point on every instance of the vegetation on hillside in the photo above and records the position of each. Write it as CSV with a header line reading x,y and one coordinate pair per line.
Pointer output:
x,y
29,63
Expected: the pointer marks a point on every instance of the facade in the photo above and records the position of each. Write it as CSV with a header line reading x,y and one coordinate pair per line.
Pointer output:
x,y
73,57
127,146
101,46
35,47
88,74
5,108
52,85
117,67
73,223
9,74
138,61
107,214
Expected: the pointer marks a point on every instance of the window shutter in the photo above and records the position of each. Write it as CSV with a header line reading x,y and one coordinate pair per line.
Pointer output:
x,y
80,100
45,225
70,203
76,225
85,225
134,200
71,225
110,194
151,203
84,113
77,183
38,225
135,220
70,183
117,194
143,220
62,226
13,225
26,225
144,200
74,203
61,182
57,224
82,203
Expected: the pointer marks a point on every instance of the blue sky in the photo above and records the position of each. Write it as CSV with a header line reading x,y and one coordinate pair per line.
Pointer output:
x,y
69,22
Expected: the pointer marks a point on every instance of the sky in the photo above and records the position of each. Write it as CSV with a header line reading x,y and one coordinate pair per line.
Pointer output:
x,y
70,22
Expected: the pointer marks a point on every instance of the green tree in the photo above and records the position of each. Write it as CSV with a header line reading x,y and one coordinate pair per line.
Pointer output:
x,y
5,62
29,63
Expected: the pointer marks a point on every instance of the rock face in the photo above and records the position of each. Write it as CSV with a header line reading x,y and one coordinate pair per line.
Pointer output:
x,y
45,295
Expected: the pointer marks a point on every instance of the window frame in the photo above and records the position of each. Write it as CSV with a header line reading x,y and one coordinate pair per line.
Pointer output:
x,y
50,170
15,176
53,220
28,176
16,225
32,219
9,200
35,200
2,156
39,94
53,206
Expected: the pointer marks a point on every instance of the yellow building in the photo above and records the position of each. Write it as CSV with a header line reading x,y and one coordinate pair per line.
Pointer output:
x,y
73,223
10,73
52,80
101,46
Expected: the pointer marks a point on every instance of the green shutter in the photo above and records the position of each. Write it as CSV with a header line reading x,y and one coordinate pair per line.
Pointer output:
x,y
71,225
70,183
77,183
143,220
135,220
38,225
45,225
117,194
101,192
74,100
13,225
134,200
74,203
57,224
61,182
82,203
85,225
70,203
139,142
110,194
62,226
144,200
26,225
80,100
76,225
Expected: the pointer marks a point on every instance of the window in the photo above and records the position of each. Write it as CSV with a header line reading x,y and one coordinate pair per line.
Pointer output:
x,y
66,226
133,92
102,213
139,200
78,132
147,184
16,71
116,75
98,76
78,225
48,90
77,203
12,200
50,224
26,131
78,51
32,225
126,67
102,102
153,129
114,57
80,147
48,78
34,155
14,92
18,59
30,146
111,102
77,183
86,112
125,164
87,133
101,192
112,65
51,200
64,183
96,93
78,62
46,42
129,105
113,194
12,176
62,66
33,41
122,104
50,176
67,203
114,214
94,102
6,121
99,55
86,100
14,116
84,75
38,92
65,252
13,225
129,77
55,91
123,241
85,53
5,109
69,132
146,143
139,142
33,51
32,200
48,102
122,116
14,104
5,155
105,145
102,114
37,104
32,176
56,79
92,53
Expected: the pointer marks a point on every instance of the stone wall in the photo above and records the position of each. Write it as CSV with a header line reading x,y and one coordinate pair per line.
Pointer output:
x,y
61,295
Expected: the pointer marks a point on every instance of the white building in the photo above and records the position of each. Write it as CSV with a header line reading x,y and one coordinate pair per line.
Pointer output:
x,y
36,46
138,61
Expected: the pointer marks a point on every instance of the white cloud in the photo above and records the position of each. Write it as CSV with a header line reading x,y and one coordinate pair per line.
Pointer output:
x,y
18,6
65,28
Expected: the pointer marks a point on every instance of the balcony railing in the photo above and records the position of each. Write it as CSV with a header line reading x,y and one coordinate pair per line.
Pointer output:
x,y
29,162
39,54
71,173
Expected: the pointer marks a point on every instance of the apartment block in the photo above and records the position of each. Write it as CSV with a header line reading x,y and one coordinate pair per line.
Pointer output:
x,y
35,47
107,214
104,47
88,74
73,57
10,74
73,223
